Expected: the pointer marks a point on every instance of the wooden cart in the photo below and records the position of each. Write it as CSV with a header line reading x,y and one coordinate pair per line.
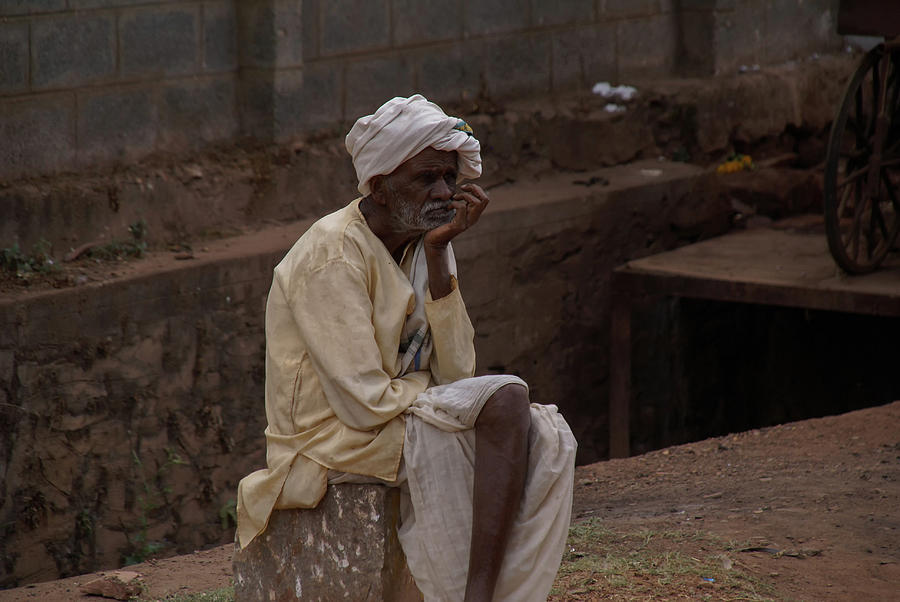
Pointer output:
x,y
862,166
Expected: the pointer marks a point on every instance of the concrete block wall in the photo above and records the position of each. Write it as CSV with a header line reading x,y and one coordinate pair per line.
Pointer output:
x,y
89,82
86,82
461,50
723,36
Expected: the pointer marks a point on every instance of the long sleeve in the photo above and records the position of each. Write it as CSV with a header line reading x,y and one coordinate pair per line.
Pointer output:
x,y
334,315
452,335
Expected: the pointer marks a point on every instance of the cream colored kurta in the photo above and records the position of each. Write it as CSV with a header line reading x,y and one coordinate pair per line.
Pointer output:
x,y
334,397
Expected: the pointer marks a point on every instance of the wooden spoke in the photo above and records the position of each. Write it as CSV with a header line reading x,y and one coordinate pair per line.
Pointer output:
x,y
878,220
859,126
854,226
876,89
862,171
895,202
846,196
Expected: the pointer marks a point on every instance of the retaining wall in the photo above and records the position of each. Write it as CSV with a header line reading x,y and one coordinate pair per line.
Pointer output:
x,y
131,408
88,82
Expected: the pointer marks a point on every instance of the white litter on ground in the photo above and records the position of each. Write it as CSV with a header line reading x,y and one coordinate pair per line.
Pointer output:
x,y
606,90
613,108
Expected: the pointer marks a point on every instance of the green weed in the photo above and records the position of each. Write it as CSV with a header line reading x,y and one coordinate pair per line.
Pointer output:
x,y
122,249
15,261
228,514
152,498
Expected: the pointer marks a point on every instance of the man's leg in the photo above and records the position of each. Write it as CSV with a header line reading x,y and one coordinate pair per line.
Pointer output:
x,y
501,465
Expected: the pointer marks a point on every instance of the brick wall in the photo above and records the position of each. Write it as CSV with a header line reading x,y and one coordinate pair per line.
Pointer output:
x,y
88,82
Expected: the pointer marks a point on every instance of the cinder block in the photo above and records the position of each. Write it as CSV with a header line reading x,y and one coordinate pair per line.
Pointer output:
x,y
796,28
353,26
197,112
288,87
418,22
13,57
371,82
517,65
498,16
30,7
645,47
73,50
219,41
738,38
158,41
344,549
584,56
316,106
280,105
287,103
270,33
310,17
116,124
697,50
701,4
617,9
79,4
254,97
441,72
38,135
558,12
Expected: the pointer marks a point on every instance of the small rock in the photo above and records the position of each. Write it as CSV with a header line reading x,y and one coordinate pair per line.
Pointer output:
x,y
193,171
121,585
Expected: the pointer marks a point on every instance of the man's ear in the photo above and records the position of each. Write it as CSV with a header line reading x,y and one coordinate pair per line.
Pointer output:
x,y
377,188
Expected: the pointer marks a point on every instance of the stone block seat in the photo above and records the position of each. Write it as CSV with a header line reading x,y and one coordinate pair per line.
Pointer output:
x,y
344,549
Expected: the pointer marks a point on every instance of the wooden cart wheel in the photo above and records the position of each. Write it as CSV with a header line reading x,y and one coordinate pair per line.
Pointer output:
x,y
862,215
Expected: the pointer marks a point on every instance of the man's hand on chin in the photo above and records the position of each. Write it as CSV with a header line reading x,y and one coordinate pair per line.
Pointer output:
x,y
469,202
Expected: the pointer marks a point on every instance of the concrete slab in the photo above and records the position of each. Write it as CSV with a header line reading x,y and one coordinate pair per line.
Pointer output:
x,y
767,266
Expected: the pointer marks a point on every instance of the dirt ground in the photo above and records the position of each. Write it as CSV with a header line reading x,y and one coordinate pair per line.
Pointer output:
x,y
802,511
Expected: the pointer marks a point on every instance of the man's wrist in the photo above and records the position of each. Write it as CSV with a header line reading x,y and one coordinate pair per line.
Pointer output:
x,y
436,247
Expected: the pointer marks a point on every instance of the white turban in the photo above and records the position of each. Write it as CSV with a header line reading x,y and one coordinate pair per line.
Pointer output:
x,y
402,128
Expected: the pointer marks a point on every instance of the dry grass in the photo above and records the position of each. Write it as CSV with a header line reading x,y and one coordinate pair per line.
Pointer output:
x,y
602,564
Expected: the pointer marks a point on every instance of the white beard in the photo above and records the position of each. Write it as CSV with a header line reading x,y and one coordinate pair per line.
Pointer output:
x,y
405,218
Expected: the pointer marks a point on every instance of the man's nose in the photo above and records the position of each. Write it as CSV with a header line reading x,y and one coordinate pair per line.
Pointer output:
x,y
441,190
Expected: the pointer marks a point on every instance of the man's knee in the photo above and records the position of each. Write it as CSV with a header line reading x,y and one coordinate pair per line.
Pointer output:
x,y
508,408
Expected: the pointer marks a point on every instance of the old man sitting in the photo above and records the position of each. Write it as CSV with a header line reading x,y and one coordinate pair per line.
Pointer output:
x,y
369,375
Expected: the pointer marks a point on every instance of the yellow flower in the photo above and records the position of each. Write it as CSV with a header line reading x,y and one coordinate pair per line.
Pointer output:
x,y
736,163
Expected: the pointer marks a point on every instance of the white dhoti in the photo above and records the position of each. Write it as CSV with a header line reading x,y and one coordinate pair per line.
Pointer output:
x,y
439,457
437,482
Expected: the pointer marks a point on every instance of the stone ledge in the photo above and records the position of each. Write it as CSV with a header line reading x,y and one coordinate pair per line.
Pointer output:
x,y
344,549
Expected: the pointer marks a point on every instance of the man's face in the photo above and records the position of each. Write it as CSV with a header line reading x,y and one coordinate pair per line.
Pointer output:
x,y
418,193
